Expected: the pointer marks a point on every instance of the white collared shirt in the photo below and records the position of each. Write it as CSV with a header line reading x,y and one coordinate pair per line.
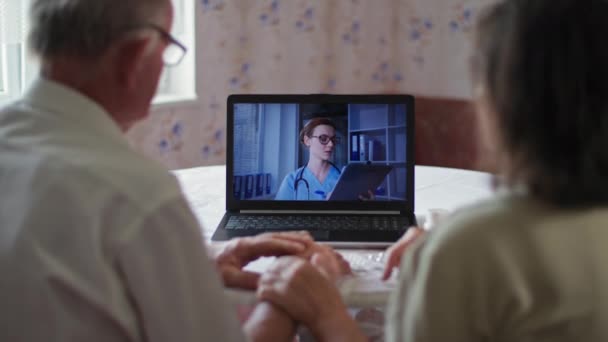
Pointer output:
x,y
96,242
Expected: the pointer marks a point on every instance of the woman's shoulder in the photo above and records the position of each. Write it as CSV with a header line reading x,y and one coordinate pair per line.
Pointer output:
x,y
295,173
511,221
500,216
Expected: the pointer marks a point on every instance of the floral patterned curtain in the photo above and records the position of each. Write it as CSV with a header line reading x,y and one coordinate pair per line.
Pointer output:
x,y
310,46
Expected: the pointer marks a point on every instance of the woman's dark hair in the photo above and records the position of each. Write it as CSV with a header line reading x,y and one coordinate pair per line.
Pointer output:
x,y
308,129
544,67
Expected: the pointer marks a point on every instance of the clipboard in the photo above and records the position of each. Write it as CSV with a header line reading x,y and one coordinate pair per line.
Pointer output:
x,y
357,179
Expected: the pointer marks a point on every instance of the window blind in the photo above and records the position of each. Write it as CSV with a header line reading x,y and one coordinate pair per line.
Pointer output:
x,y
246,139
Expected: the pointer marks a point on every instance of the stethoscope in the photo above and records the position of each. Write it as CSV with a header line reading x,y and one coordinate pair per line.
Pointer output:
x,y
300,178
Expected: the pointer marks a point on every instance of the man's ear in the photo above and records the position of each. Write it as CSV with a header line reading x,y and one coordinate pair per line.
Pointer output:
x,y
130,57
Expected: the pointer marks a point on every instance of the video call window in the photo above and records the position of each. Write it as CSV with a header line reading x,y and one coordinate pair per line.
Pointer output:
x,y
271,163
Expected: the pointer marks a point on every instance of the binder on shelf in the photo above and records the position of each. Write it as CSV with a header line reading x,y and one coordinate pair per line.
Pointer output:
x,y
267,183
363,141
259,184
375,150
249,186
237,182
354,146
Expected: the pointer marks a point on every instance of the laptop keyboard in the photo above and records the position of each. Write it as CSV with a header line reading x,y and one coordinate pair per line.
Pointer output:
x,y
329,222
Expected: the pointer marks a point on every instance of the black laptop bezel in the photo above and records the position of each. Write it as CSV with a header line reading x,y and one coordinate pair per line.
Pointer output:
x,y
404,207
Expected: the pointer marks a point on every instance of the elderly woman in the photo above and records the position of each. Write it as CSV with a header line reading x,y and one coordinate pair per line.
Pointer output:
x,y
529,264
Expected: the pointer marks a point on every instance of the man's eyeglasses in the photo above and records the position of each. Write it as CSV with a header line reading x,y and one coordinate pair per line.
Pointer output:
x,y
175,51
324,139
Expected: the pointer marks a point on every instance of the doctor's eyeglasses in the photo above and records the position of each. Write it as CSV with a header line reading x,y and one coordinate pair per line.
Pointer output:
x,y
324,139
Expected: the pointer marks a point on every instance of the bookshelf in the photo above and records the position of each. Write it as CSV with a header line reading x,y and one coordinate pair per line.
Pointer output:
x,y
376,135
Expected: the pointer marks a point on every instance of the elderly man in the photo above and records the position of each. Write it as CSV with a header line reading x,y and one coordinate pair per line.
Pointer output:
x,y
96,242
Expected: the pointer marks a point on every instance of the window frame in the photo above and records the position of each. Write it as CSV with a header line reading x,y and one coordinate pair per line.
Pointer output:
x,y
176,87
18,72
3,71
177,84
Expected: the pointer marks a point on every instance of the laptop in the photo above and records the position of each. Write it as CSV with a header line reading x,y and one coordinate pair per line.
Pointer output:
x,y
278,179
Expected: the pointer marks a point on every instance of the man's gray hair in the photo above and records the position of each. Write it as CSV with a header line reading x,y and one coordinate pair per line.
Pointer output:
x,y
87,28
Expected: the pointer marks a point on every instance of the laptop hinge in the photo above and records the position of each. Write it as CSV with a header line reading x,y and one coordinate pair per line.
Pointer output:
x,y
333,212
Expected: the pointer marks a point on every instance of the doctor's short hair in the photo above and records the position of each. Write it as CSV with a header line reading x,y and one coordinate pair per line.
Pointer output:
x,y
309,128
87,28
543,66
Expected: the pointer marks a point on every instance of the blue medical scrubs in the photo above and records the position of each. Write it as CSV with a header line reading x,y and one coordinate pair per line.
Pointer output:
x,y
316,190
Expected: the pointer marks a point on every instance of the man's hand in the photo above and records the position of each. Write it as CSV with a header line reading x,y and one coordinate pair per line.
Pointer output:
x,y
232,256
395,252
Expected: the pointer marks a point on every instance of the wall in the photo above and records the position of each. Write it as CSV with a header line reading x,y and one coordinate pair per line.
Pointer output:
x,y
311,46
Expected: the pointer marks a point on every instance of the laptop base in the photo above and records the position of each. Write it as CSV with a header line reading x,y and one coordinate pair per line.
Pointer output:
x,y
361,238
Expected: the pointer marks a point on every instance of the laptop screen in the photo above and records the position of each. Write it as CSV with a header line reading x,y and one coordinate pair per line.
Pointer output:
x,y
320,151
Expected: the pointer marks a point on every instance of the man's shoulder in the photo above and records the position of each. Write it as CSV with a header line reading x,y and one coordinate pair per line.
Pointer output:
x,y
96,159
127,172
118,173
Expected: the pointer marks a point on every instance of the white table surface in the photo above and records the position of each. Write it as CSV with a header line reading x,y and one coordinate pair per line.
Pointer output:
x,y
435,188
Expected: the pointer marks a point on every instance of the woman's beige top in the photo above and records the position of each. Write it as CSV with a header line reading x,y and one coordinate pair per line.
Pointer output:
x,y
509,269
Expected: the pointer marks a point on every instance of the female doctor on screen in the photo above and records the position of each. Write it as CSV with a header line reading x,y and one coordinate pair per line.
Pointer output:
x,y
315,180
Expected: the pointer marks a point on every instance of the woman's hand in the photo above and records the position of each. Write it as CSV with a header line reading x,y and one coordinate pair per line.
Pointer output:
x,y
327,260
309,296
395,252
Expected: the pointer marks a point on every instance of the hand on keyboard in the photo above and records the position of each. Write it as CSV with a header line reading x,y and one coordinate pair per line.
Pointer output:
x,y
366,288
395,252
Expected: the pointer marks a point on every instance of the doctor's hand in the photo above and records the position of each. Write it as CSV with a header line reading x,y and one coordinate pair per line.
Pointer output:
x,y
232,256
309,296
369,196
395,252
